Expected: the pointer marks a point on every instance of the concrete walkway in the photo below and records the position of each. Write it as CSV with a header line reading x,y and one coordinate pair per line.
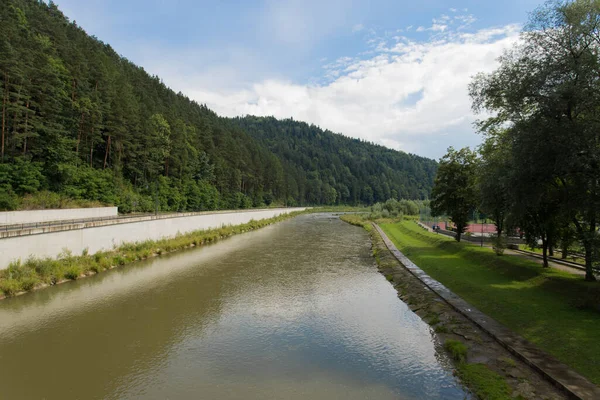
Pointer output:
x,y
551,263
556,372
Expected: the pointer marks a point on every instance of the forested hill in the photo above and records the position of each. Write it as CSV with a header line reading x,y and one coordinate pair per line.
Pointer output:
x,y
359,171
81,122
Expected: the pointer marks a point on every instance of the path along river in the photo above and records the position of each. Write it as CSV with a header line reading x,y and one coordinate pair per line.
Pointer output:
x,y
296,310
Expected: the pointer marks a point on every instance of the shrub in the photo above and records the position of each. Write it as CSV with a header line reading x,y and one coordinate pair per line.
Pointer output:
x,y
29,282
72,272
10,287
499,245
457,349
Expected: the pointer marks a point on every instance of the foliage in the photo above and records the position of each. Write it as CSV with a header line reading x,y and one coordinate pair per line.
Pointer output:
x,y
544,100
333,169
499,245
553,309
83,122
393,208
454,192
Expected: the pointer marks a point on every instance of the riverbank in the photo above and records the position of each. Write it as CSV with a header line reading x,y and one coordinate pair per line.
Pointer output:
x,y
484,366
552,309
38,273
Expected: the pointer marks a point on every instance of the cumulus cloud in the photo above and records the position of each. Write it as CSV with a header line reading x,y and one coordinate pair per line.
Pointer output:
x,y
411,95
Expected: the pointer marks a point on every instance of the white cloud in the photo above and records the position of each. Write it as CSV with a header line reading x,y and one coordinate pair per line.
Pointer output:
x,y
368,97
405,94
358,28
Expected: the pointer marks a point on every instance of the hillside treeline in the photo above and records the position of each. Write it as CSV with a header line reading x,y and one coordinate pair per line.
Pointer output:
x,y
82,122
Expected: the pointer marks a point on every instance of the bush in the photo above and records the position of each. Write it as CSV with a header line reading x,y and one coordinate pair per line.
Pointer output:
x,y
10,287
499,245
28,283
72,272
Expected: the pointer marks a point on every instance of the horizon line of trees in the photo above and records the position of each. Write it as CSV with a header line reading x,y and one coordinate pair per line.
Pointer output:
x,y
539,165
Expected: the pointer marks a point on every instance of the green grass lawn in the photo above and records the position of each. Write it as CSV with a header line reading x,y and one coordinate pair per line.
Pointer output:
x,y
553,309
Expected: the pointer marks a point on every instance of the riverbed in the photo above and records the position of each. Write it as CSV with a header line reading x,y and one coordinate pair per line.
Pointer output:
x,y
295,310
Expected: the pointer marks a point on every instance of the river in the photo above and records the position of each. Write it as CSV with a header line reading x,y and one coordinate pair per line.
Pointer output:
x,y
296,310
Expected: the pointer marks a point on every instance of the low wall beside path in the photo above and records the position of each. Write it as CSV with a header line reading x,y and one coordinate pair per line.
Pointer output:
x,y
106,237
32,216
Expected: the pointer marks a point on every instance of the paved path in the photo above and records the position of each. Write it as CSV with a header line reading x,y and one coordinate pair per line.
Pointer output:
x,y
556,372
551,263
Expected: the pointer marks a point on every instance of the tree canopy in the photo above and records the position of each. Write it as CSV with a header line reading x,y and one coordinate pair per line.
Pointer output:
x,y
454,192
544,98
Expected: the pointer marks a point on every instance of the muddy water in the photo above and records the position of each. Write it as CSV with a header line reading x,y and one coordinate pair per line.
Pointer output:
x,y
293,311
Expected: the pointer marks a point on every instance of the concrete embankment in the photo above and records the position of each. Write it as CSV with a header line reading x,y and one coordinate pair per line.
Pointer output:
x,y
106,237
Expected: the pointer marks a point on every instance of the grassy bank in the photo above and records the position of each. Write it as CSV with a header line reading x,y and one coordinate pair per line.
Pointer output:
x,y
555,310
36,273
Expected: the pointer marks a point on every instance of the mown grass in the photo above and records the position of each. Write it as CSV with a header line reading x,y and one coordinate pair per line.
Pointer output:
x,y
25,276
555,310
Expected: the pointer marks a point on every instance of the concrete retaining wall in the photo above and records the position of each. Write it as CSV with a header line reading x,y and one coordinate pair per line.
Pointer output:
x,y
107,237
25,217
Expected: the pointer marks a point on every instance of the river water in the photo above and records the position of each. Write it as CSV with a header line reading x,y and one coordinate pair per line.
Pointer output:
x,y
296,310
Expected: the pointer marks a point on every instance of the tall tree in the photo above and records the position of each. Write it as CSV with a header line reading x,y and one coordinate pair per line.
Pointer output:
x,y
454,191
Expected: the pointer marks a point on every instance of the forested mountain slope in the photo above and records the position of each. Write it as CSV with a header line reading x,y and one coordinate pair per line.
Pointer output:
x,y
358,171
81,121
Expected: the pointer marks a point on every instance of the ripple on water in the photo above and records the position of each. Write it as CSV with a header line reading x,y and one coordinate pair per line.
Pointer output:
x,y
294,310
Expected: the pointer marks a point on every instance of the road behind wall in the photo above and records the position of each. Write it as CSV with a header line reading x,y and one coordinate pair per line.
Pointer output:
x,y
24,217
109,236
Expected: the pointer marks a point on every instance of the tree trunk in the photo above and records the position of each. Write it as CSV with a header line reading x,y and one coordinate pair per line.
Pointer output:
x,y
92,151
4,110
79,133
107,151
14,126
545,251
551,251
589,275
26,129
588,244
459,231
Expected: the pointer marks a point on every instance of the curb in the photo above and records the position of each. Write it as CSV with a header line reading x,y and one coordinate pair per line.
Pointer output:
x,y
572,383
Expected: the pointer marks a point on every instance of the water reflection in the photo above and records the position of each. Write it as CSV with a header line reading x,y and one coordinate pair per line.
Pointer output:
x,y
295,310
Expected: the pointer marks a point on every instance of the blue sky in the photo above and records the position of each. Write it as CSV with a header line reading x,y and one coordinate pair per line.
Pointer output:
x,y
393,72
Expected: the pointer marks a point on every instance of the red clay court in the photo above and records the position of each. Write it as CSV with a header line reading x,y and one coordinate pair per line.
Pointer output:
x,y
473,228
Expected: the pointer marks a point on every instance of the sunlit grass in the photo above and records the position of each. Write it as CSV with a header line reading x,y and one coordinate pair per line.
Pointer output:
x,y
555,310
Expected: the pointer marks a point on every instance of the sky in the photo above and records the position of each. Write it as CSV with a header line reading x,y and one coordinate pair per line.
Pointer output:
x,y
393,72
